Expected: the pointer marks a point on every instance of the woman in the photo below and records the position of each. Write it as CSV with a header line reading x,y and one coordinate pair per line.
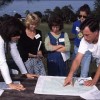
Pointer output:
x,y
10,31
30,45
83,13
58,46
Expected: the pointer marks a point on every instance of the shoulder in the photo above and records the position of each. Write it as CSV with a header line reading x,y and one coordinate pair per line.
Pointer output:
x,y
84,41
76,22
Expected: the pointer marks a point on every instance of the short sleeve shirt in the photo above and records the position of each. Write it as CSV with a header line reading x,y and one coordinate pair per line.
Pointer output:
x,y
94,48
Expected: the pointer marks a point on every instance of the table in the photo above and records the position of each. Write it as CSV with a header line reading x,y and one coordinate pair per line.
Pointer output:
x,y
28,94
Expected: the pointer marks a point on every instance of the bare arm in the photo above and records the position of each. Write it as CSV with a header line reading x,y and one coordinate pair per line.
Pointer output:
x,y
74,67
95,79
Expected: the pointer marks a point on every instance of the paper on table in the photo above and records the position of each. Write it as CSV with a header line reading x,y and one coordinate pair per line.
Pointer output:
x,y
54,85
4,86
93,94
1,91
65,55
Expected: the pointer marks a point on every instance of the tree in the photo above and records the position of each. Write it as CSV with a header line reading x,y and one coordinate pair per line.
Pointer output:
x,y
5,2
38,13
58,11
97,9
27,12
47,12
68,14
17,15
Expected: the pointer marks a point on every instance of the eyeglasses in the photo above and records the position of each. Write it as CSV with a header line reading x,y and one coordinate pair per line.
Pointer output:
x,y
82,16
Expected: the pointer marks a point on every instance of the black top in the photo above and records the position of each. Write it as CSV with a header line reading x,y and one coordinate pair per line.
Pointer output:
x,y
27,45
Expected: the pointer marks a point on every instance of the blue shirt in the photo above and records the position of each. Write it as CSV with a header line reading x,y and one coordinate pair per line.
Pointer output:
x,y
76,26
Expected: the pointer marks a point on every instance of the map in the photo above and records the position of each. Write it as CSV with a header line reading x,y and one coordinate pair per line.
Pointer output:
x,y
54,85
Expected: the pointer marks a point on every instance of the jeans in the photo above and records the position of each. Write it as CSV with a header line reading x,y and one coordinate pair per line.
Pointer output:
x,y
85,63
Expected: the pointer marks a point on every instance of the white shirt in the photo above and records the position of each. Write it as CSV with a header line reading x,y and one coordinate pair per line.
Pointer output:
x,y
94,48
3,65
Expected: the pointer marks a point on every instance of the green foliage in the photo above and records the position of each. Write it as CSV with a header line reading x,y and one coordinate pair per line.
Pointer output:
x,y
97,9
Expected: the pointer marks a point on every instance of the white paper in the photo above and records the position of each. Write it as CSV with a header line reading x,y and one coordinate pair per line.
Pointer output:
x,y
39,45
4,86
1,91
93,94
65,55
14,71
54,85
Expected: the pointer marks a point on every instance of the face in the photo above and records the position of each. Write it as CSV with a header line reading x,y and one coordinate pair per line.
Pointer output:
x,y
82,16
55,29
90,37
32,27
15,38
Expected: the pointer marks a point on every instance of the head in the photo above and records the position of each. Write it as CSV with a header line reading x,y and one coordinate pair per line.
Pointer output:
x,y
90,30
32,21
55,23
11,29
83,12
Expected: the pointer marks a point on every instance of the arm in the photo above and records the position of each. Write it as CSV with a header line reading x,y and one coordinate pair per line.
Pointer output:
x,y
50,47
95,79
16,57
3,65
67,44
5,71
74,67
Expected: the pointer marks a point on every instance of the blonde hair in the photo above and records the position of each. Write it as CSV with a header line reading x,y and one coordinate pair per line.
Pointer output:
x,y
32,19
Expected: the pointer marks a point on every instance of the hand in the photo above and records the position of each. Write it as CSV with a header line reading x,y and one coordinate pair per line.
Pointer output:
x,y
31,76
39,54
16,86
90,83
68,80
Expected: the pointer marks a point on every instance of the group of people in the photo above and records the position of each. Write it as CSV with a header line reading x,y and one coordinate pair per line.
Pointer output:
x,y
26,47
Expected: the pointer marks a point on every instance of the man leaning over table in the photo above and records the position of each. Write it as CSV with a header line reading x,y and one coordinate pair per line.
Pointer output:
x,y
91,42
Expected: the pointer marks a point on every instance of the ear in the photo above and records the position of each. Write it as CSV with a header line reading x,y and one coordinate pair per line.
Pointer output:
x,y
96,32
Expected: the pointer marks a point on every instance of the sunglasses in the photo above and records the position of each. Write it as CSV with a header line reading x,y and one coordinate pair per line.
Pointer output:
x,y
82,16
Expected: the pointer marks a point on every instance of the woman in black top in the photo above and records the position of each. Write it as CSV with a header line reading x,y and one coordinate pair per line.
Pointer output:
x,y
30,46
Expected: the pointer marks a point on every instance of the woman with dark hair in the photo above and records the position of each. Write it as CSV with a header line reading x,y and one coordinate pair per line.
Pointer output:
x,y
10,31
57,45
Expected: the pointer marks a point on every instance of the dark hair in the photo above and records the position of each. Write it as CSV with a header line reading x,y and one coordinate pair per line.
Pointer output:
x,y
55,20
92,23
11,27
84,8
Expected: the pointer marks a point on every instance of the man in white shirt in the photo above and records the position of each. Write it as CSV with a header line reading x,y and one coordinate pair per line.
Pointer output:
x,y
91,42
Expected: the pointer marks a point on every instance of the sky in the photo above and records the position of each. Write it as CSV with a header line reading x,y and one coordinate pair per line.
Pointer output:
x,y
20,6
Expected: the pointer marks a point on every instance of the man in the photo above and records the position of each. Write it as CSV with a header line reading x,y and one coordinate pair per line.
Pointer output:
x,y
91,42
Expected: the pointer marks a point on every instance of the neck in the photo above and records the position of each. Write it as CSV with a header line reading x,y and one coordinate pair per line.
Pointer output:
x,y
96,39
30,31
